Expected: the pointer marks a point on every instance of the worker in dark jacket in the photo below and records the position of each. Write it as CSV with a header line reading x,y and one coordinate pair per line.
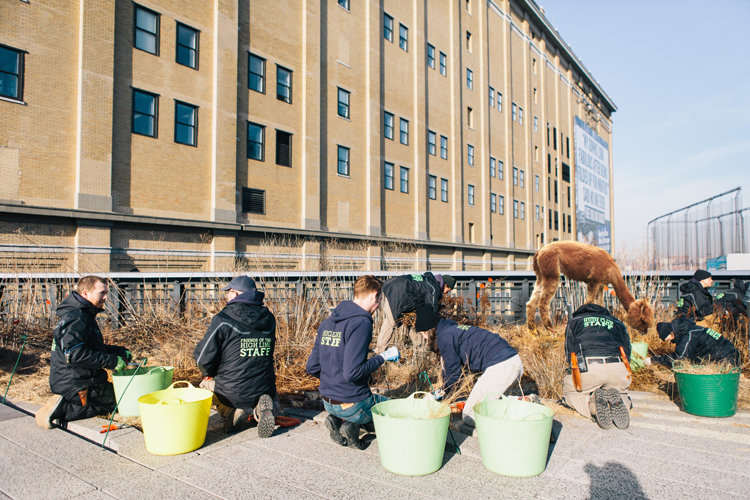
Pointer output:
x,y
695,301
595,337
735,300
403,294
236,358
474,349
79,357
694,343
339,360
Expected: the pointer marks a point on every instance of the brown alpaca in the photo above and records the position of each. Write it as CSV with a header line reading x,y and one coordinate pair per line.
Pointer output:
x,y
591,265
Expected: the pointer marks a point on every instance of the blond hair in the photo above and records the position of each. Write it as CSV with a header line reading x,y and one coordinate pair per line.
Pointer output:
x,y
87,283
366,284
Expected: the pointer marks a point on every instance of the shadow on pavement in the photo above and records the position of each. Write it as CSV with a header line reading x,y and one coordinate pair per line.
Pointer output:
x,y
613,480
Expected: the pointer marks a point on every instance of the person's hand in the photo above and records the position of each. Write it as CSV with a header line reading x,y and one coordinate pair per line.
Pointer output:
x,y
121,364
647,361
208,383
438,394
128,355
391,354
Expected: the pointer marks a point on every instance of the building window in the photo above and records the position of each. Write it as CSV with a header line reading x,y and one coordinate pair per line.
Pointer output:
x,y
523,210
514,111
492,97
256,73
283,148
430,56
403,37
556,194
388,125
187,46
431,142
470,196
567,150
443,147
521,178
536,153
500,102
566,172
11,73
501,204
536,183
344,4
256,134
549,190
538,210
500,172
547,134
493,202
432,187
492,167
387,27
557,223
404,180
404,131
515,176
515,209
570,228
388,175
470,155
536,124
550,219
468,41
468,6
283,84
444,190
185,123
469,79
253,201
568,199
520,115
470,117
343,161
554,138
146,30
343,106
145,113
443,64
471,232
563,223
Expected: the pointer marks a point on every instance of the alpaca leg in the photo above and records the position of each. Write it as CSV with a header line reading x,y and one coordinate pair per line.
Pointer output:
x,y
531,306
594,291
548,291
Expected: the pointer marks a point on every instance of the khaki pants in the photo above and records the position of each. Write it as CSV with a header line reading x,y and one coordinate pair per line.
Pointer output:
x,y
607,376
386,329
492,384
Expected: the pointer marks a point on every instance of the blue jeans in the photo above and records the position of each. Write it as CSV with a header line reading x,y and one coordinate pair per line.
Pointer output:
x,y
358,413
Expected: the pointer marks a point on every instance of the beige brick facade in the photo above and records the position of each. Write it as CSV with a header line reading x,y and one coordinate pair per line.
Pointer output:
x,y
484,85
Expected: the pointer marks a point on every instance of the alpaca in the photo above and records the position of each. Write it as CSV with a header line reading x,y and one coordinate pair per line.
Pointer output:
x,y
591,265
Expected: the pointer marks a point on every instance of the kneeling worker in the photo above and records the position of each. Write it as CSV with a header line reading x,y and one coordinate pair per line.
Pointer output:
x,y
694,343
479,350
236,358
593,339
79,357
339,360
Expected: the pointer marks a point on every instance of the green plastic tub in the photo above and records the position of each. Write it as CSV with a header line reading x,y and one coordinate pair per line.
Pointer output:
x,y
513,436
638,351
709,395
146,380
411,434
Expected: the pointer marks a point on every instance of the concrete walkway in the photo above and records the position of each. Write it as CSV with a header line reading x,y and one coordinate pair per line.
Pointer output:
x,y
665,453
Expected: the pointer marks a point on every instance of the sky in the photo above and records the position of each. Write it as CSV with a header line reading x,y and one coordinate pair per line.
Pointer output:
x,y
679,74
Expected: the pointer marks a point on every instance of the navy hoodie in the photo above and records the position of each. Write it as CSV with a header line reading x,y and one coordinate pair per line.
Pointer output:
x,y
472,346
339,356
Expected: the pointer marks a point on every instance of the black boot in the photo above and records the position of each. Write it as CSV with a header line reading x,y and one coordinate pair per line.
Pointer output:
x,y
369,427
333,424
350,431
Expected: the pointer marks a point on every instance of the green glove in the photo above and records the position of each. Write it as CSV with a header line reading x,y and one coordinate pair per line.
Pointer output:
x,y
128,355
121,364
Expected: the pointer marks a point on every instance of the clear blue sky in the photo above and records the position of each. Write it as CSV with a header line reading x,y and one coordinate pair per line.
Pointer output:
x,y
679,73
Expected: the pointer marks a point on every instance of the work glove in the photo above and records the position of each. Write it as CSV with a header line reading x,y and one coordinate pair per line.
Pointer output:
x,y
647,361
438,394
121,364
128,355
391,354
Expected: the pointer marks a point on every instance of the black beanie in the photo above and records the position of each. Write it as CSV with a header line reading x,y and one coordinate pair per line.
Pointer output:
x,y
663,329
427,319
449,281
701,274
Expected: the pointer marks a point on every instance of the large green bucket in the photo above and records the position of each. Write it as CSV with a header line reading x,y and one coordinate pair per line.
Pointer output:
x,y
146,380
513,436
638,351
411,434
709,395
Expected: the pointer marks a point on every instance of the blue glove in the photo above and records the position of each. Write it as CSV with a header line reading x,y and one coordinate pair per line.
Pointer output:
x,y
391,354
438,394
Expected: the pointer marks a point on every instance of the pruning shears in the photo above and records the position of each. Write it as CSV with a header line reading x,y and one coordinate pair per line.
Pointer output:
x,y
113,427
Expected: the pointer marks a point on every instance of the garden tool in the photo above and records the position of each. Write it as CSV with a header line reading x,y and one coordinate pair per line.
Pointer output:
x,y
121,396
626,361
107,427
24,338
426,378
575,371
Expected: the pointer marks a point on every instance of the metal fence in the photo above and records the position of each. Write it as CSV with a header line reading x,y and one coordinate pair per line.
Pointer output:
x,y
689,238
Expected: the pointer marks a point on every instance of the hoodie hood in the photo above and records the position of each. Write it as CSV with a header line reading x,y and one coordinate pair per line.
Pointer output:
x,y
74,302
252,297
691,286
347,310
591,309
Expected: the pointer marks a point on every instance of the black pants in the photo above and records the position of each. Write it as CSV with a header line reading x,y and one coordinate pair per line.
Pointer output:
x,y
100,400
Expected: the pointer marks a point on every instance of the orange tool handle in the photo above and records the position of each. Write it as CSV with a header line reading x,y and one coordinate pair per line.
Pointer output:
x,y
626,361
576,371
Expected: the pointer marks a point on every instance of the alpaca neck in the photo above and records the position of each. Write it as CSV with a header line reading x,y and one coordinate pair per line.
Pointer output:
x,y
621,290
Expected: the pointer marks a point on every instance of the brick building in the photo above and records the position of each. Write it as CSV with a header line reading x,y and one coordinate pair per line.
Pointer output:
x,y
204,134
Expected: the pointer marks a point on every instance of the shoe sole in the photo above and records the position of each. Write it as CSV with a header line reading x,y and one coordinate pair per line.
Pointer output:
x,y
603,416
267,422
618,411
44,414
352,439
336,436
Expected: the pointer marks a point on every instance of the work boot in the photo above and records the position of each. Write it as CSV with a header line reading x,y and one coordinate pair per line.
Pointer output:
x,y
51,411
234,419
350,432
618,410
333,425
601,415
369,426
264,416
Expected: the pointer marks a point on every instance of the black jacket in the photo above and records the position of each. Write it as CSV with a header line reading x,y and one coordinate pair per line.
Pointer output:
x,y
696,343
79,354
406,293
735,299
237,351
470,346
695,301
593,331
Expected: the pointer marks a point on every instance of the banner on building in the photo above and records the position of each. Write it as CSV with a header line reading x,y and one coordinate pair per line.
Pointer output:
x,y
592,187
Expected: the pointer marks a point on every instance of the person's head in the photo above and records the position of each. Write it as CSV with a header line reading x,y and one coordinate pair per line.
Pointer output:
x,y
706,279
94,289
665,331
426,322
239,285
449,283
367,292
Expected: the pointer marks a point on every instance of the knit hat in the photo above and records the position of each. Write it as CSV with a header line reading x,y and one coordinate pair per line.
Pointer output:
x,y
664,329
427,319
449,281
701,274
241,284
